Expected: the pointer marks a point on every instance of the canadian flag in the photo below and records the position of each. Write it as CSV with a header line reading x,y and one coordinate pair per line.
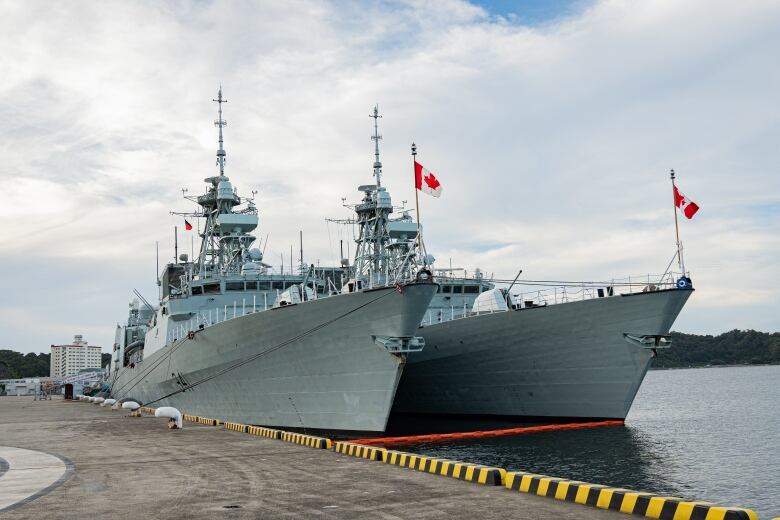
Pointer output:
x,y
425,181
686,205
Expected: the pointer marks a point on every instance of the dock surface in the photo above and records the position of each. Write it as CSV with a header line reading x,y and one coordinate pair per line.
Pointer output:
x,y
124,467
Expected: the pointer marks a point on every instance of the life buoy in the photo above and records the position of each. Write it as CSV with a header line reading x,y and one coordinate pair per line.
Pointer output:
x,y
191,334
683,282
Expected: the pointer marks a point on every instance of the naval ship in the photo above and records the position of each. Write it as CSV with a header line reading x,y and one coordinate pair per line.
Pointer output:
x,y
232,340
531,349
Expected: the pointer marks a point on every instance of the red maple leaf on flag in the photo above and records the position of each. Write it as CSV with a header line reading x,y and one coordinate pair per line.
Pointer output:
x,y
431,181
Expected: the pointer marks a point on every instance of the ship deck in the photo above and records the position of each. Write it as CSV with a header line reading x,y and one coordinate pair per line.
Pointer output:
x,y
125,467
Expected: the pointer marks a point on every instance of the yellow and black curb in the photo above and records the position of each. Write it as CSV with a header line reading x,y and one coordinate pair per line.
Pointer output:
x,y
201,420
236,427
360,450
448,468
622,500
307,440
264,432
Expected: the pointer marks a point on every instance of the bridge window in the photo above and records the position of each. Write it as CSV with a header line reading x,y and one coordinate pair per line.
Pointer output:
x,y
457,289
251,286
197,290
264,286
211,288
234,286
446,288
471,289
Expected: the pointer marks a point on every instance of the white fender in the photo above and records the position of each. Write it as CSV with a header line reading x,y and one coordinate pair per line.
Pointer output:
x,y
170,412
90,399
108,402
131,405
98,400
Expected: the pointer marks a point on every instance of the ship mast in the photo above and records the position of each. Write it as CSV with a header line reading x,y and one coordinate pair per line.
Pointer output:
x,y
376,137
221,155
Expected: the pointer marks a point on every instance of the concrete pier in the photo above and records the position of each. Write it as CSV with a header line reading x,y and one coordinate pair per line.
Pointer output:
x,y
128,468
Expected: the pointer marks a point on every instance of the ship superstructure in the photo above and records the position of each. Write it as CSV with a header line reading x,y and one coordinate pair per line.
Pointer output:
x,y
526,348
231,339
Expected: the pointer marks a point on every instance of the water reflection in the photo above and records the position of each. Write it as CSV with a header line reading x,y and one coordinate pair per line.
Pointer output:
x,y
617,456
706,434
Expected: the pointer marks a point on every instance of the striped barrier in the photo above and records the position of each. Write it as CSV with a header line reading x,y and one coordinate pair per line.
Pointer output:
x,y
147,409
623,500
236,427
358,450
264,432
191,418
307,440
448,468
208,422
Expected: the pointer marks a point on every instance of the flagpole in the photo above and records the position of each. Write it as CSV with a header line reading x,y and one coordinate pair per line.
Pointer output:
x,y
417,198
676,226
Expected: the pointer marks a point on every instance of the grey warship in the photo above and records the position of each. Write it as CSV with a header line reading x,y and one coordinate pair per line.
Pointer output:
x,y
528,349
231,340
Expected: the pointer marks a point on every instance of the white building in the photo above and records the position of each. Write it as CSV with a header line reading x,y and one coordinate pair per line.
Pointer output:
x,y
67,360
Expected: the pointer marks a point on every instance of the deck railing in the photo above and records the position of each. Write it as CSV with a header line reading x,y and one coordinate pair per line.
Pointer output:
x,y
528,294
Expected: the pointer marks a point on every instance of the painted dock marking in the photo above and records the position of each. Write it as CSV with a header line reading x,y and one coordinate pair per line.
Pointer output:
x,y
29,474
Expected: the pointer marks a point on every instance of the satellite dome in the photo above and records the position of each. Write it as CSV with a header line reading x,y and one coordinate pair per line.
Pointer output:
x,y
255,254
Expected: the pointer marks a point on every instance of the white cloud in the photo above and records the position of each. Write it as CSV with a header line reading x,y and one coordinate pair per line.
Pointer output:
x,y
554,142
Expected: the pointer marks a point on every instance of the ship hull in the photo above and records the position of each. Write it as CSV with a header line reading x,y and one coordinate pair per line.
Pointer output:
x,y
313,365
569,360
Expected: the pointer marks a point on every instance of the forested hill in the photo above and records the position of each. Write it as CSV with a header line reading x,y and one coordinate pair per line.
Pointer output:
x,y
736,347
15,365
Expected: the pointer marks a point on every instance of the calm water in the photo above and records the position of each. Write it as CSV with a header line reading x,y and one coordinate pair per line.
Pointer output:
x,y
708,434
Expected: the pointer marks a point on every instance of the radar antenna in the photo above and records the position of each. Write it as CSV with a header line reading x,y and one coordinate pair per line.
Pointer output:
x,y
221,155
376,137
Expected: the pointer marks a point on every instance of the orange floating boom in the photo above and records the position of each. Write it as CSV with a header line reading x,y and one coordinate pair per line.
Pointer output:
x,y
443,437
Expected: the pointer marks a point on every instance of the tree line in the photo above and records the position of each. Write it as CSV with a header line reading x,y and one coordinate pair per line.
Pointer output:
x,y
736,347
15,365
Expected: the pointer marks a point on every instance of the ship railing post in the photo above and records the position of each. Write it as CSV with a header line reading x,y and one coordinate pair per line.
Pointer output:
x,y
265,301
234,308
630,287
243,307
555,295
452,312
217,314
254,304
429,317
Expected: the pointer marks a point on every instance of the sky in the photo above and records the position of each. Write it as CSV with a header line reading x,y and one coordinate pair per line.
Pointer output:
x,y
551,125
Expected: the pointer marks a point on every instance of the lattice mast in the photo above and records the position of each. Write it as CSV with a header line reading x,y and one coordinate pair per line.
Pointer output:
x,y
222,248
371,258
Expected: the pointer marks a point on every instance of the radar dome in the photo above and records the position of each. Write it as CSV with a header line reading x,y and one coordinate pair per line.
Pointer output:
x,y
255,254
